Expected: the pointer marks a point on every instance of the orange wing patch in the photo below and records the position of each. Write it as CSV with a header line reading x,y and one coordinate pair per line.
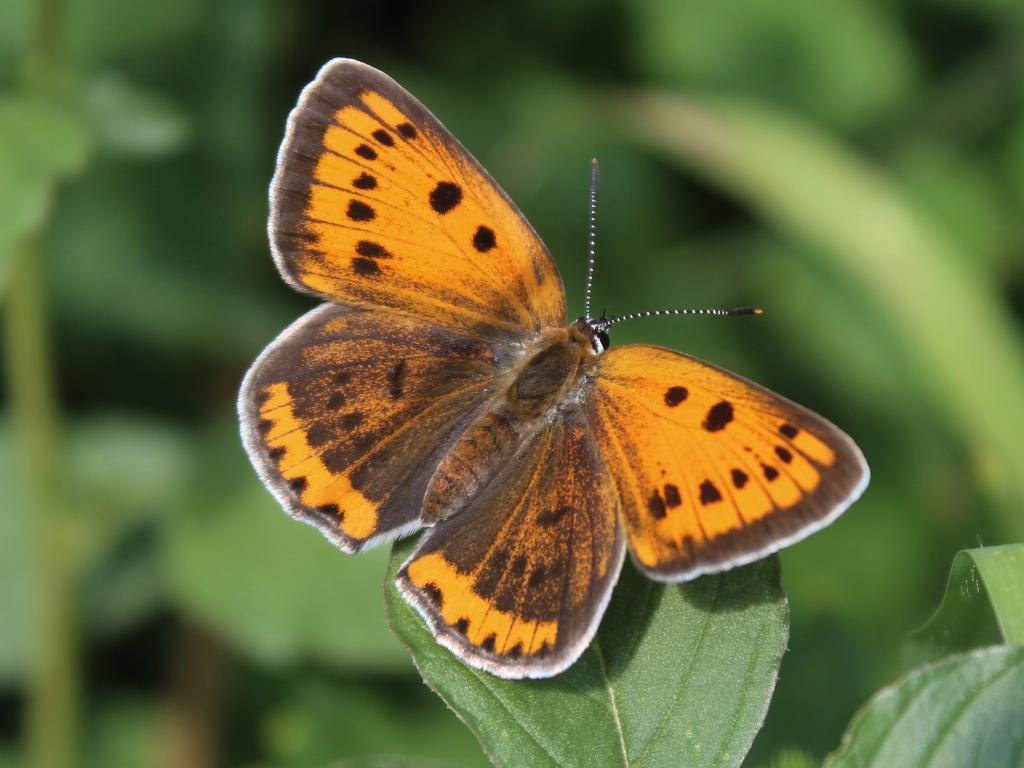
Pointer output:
x,y
301,467
348,413
713,470
374,203
457,602
517,581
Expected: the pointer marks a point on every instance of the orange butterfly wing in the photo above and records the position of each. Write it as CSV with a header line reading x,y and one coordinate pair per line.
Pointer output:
x,y
348,412
517,582
712,470
375,204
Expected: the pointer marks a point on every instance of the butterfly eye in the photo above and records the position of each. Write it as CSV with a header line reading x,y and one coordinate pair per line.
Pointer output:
x,y
602,337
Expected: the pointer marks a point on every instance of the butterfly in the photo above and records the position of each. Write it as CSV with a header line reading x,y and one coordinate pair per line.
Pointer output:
x,y
442,386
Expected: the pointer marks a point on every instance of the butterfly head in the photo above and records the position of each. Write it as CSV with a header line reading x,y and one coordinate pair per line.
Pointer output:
x,y
594,331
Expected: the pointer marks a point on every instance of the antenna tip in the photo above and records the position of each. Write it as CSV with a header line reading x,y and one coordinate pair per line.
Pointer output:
x,y
593,162
758,311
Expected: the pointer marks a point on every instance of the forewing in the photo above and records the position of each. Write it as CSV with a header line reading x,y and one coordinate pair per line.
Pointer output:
x,y
516,583
712,470
375,204
346,415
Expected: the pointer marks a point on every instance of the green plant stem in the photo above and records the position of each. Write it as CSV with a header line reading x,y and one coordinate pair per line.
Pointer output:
x,y
51,730
53,685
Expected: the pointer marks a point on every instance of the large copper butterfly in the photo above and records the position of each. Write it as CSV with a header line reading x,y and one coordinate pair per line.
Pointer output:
x,y
441,385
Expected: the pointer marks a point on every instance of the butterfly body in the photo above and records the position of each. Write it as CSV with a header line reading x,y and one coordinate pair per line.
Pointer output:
x,y
442,386
548,376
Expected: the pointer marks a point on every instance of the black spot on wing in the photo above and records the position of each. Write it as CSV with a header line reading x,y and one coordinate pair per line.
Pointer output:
x,y
488,643
553,516
783,454
332,511
719,415
739,478
319,434
367,152
396,380
709,494
360,211
537,576
351,420
770,472
383,137
675,395
434,594
672,498
372,250
462,625
656,505
445,196
276,454
483,239
406,131
365,267
364,181
788,430
298,485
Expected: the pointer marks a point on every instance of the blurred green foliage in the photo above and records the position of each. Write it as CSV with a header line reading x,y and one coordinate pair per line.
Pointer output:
x,y
857,168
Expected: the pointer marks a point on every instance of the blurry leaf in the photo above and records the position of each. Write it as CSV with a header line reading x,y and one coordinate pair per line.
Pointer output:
x,y
324,717
131,121
959,190
841,60
271,585
122,474
792,758
15,572
1013,164
677,675
119,465
966,710
15,21
122,732
98,31
123,275
382,761
953,327
40,143
983,605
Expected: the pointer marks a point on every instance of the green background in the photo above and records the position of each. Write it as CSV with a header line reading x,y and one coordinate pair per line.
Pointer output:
x,y
856,168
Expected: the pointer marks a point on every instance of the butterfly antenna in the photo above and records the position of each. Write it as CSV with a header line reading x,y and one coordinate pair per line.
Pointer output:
x,y
605,323
594,175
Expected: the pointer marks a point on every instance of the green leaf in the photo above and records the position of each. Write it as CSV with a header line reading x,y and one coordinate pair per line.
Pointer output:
x,y
393,716
677,675
793,758
129,120
123,731
270,585
966,710
40,143
842,61
983,604
860,225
